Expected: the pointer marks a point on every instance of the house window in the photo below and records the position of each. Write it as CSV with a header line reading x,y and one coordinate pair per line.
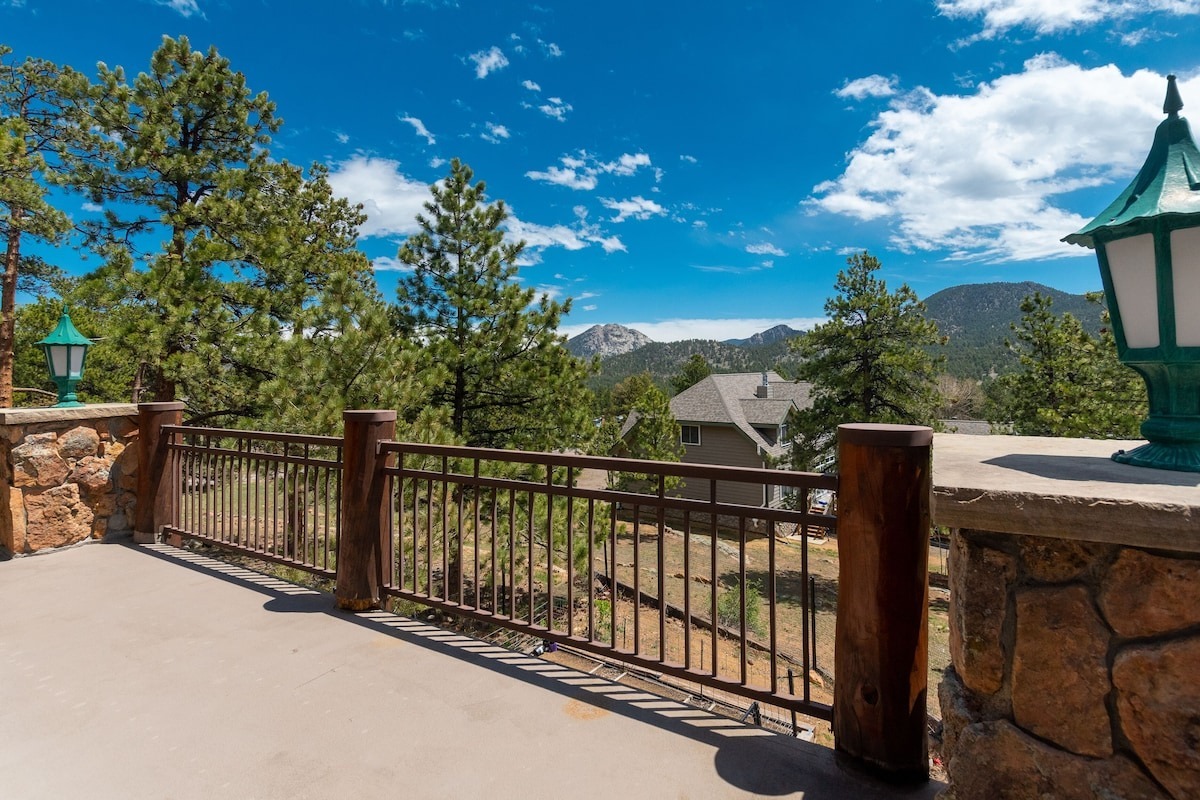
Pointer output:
x,y
689,434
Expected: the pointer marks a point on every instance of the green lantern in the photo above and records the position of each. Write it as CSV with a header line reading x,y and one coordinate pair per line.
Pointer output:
x,y
65,349
1148,245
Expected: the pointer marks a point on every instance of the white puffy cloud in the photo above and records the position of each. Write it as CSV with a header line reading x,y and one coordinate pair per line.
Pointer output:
x,y
565,176
591,307
390,264
688,159
611,244
637,207
488,61
342,138
581,171
1052,16
92,207
552,50
986,175
627,164
870,86
390,199
764,249
555,108
531,86
185,7
495,133
437,162
420,128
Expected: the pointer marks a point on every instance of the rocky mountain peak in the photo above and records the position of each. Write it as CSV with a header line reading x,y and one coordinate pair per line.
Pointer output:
x,y
607,340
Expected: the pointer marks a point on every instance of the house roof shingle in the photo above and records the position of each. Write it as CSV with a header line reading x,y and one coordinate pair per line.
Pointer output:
x,y
730,399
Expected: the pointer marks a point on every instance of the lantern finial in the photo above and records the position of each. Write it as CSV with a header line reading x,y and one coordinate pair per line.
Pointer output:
x,y
1173,104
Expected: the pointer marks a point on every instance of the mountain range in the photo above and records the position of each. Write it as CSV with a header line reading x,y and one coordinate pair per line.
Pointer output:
x,y
975,318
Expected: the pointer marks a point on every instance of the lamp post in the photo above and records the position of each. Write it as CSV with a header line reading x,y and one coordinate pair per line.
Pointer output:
x,y
65,349
1148,245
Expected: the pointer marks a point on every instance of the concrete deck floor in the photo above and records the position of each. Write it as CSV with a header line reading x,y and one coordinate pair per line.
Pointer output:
x,y
150,672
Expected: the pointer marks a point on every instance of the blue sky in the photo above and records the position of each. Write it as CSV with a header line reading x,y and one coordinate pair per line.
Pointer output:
x,y
699,168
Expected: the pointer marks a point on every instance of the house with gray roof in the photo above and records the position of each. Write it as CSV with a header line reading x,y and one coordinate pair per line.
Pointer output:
x,y
739,420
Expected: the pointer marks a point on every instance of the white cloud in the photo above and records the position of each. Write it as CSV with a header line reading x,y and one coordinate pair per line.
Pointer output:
x,y
564,177
582,170
1053,16
688,159
495,133
488,61
437,162
92,207
611,244
764,249
552,50
592,307
389,264
674,330
185,7
531,86
637,207
555,108
342,138
627,164
420,128
981,175
870,86
390,199
539,237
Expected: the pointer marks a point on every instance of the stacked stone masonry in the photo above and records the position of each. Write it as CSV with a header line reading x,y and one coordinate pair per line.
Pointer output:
x,y
1076,670
67,478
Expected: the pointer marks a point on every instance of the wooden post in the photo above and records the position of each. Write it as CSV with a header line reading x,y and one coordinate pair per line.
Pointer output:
x,y
362,544
881,650
157,481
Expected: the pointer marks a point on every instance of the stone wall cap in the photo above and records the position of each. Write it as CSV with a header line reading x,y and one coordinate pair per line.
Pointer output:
x,y
29,416
1065,488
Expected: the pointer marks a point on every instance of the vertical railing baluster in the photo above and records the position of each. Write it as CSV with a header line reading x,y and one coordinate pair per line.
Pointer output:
x,y
612,575
591,570
637,580
570,554
712,546
549,549
687,589
771,603
661,521
742,592
475,531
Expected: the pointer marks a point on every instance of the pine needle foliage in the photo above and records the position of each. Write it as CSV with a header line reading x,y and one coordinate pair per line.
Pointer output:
x,y
869,362
508,380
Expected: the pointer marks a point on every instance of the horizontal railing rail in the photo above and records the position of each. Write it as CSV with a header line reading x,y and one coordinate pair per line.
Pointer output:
x,y
515,539
272,496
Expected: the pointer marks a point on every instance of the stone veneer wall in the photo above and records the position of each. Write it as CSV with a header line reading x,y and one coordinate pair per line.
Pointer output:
x,y
66,475
1076,670
1074,621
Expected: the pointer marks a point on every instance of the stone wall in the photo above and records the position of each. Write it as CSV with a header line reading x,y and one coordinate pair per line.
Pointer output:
x,y
1076,670
66,475
1074,629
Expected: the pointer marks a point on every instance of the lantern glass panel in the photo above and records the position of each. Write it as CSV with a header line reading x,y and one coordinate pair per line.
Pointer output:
x,y
77,361
1185,266
58,360
1131,262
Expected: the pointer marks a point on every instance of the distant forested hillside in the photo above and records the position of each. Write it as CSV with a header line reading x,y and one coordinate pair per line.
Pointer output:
x,y
664,359
977,317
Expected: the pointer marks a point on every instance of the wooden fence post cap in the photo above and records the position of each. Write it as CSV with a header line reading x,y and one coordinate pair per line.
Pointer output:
x,y
167,405
376,415
874,434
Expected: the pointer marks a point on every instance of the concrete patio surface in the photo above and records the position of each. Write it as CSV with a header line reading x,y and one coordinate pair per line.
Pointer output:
x,y
151,672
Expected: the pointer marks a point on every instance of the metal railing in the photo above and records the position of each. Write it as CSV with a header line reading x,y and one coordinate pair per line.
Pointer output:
x,y
636,574
273,496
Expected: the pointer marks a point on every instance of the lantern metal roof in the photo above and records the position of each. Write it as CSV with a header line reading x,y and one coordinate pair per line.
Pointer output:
x,y
1167,185
65,333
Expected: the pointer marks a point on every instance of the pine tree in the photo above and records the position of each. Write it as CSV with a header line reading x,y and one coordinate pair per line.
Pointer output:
x,y
249,242
868,363
39,139
1070,383
694,370
509,381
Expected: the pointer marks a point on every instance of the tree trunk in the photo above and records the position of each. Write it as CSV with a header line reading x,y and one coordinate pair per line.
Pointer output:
x,y
8,292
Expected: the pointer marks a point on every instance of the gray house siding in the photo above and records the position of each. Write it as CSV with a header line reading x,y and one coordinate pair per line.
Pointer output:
x,y
727,446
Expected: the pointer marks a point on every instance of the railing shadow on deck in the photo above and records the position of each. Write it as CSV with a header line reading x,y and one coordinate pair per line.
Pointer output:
x,y
748,758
